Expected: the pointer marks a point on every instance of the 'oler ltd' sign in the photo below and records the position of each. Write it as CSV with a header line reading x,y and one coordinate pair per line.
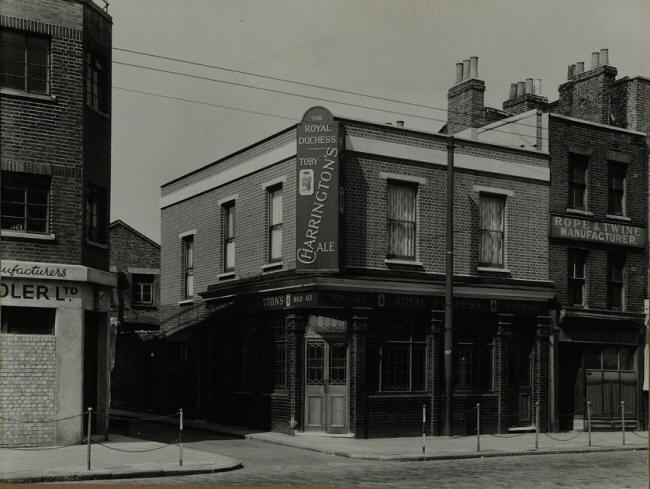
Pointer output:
x,y
318,191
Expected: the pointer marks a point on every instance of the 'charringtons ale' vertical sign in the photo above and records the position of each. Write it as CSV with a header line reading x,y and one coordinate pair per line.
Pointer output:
x,y
317,200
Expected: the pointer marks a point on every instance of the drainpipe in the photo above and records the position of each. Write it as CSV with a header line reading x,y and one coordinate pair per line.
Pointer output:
x,y
449,288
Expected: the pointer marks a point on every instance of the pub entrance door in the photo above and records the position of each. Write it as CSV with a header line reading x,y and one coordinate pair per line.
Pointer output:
x,y
326,384
521,380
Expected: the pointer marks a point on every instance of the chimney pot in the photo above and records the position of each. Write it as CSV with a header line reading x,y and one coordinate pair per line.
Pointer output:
x,y
580,67
399,123
538,86
465,69
473,67
459,73
604,57
594,60
513,91
529,85
571,72
521,89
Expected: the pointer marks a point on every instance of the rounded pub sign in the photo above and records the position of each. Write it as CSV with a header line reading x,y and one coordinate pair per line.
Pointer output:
x,y
318,191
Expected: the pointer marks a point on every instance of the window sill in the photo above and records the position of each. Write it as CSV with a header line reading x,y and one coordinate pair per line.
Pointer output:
x,y
97,244
98,112
618,218
579,211
397,261
398,394
186,302
143,306
226,276
26,95
493,269
7,233
272,267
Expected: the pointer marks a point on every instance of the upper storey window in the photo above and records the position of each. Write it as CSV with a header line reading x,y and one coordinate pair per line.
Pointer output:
x,y
96,214
24,62
96,83
25,202
401,219
492,230
616,189
578,181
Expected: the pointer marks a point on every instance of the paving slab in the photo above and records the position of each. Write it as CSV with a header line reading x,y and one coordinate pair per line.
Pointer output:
x,y
121,457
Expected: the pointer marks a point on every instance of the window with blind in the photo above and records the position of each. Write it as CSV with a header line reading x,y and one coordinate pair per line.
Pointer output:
x,y
616,189
615,280
24,62
229,236
401,220
25,202
578,181
275,223
577,260
492,230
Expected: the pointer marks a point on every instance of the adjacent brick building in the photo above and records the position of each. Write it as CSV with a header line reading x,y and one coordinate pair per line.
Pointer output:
x,y
136,374
303,282
596,137
55,130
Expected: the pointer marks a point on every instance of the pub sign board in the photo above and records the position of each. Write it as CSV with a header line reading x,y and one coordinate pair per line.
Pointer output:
x,y
318,191
621,234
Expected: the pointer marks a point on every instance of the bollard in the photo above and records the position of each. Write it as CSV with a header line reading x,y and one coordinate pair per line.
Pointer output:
x,y
180,438
589,420
424,425
623,420
90,412
536,425
478,427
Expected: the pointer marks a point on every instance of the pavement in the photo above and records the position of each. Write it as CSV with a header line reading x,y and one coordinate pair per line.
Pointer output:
x,y
121,457
124,457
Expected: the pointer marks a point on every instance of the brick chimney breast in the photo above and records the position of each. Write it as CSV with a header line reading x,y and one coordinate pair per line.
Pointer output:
x,y
465,100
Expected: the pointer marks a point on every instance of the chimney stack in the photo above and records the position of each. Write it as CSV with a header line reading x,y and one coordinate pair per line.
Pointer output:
x,y
603,59
525,96
466,98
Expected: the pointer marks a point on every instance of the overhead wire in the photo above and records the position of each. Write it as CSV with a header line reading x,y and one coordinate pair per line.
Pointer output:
x,y
283,92
306,84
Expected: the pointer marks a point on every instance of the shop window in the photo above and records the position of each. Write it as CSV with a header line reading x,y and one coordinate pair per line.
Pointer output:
x,y
577,260
397,354
275,223
401,220
96,83
578,181
612,358
492,230
616,189
229,236
143,289
188,266
25,62
96,214
615,282
28,320
25,202
474,353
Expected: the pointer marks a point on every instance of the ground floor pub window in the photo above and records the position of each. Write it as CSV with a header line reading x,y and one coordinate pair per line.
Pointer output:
x,y
474,352
27,320
397,353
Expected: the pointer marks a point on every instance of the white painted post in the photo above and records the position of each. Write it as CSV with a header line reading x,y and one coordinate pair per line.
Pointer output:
x,y
623,420
90,413
536,425
180,439
424,425
589,420
478,427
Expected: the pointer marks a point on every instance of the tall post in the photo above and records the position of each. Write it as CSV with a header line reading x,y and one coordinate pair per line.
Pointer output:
x,y
478,427
90,433
623,420
449,288
536,425
424,425
180,438
589,420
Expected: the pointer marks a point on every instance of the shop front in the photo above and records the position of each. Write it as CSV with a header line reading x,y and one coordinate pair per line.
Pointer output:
x,y
54,357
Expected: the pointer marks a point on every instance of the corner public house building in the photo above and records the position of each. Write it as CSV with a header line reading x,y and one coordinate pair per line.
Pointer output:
x,y
303,282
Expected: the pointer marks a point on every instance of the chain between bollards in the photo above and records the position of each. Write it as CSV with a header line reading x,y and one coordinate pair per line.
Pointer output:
x,y
90,412
478,427
536,425
623,420
589,420
180,438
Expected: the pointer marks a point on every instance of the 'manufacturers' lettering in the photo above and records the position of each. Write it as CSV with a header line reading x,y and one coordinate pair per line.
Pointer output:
x,y
318,190
598,231
33,271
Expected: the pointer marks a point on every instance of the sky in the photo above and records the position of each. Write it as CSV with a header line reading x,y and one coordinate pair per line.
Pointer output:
x,y
403,50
